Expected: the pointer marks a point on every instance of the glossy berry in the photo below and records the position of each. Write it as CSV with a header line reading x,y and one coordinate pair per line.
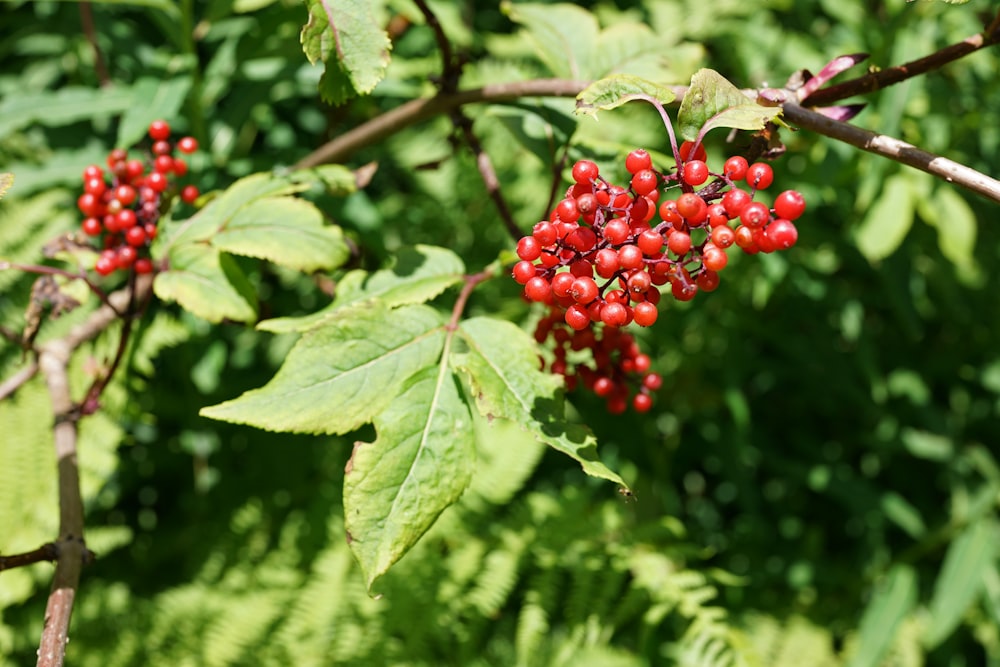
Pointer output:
x,y
585,171
694,172
644,314
644,182
735,168
523,272
760,176
537,289
789,205
638,160
187,145
782,233
755,214
190,194
159,130
685,151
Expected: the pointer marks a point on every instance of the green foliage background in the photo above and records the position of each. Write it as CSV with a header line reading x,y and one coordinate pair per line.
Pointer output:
x,y
817,484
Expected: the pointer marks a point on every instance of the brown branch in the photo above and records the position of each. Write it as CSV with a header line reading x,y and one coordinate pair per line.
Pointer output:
x,y
416,111
53,361
894,149
463,296
451,69
90,32
488,173
48,551
891,75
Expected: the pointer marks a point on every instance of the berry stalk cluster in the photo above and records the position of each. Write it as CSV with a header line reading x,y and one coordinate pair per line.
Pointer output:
x,y
600,260
122,203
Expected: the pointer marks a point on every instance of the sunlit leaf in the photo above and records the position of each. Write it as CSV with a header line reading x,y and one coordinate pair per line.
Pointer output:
x,y
890,604
617,89
712,101
562,34
422,461
207,283
342,374
351,30
502,363
887,221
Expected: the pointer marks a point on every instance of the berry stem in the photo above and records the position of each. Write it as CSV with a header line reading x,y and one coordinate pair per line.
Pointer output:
x,y
463,297
666,123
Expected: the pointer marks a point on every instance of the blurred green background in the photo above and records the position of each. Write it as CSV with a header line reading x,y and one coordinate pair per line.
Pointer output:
x,y
817,483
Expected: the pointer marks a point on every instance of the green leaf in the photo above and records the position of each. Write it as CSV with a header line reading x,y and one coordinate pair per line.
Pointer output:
x,y
421,462
155,98
961,578
338,376
417,275
201,280
956,231
350,28
890,604
617,89
712,101
502,363
338,180
65,106
887,221
562,34
286,231
541,129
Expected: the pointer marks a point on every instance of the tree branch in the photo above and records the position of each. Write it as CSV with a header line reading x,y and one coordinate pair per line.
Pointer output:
x,y
416,111
53,361
894,149
49,551
886,77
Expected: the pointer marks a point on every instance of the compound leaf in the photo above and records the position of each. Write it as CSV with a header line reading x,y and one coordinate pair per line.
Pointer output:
x,y
502,363
421,462
712,101
338,376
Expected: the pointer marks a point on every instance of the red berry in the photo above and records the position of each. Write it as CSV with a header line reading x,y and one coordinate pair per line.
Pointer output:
x,y
708,281
162,148
614,314
577,317
180,166
603,386
545,233
582,238
735,201
617,231
638,283
685,151
187,144
159,130
89,205
755,214
561,283
606,262
644,182
91,226
644,313
695,172
715,259
125,219
135,236
782,233
105,264
537,289
638,160
125,256
668,211
652,381
585,171
157,181
789,205
567,211
143,265
528,248
95,186
125,194
650,242
760,176
692,207
133,170
116,156
722,236
679,242
523,271
583,290
642,402
163,164
735,168
630,257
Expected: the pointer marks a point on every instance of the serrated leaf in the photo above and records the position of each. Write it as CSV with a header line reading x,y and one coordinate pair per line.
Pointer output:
x,y
887,221
338,376
207,222
350,28
502,363
286,231
890,604
961,578
562,34
421,462
201,280
617,89
956,231
418,274
712,101
154,98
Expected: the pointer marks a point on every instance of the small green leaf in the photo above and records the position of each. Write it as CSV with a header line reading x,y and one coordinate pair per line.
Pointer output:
x,y
421,462
502,363
956,231
155,98
286,231
417,275
712,101
617,89
200,279
562,34
961,579
927,445
890,604
350,28
338,376
887,221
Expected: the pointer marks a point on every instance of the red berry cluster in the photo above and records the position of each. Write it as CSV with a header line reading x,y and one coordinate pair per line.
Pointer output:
x,y
121,205
600,259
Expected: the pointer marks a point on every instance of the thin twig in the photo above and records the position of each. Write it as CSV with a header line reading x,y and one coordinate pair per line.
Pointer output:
x,y
45,552
90,32
894,149
451,69
890,75
416,111
14,382
470,284
488,173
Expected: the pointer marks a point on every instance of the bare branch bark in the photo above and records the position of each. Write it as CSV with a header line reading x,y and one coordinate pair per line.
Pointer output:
x,y
894,149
